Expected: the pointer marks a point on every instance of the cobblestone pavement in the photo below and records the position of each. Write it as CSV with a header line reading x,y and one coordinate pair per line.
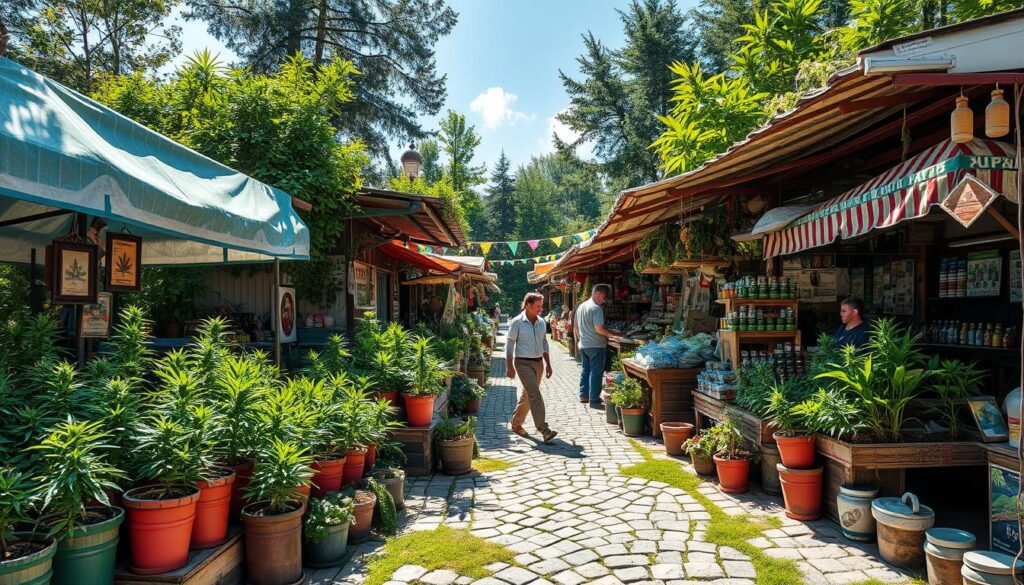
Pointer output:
x,y
572,519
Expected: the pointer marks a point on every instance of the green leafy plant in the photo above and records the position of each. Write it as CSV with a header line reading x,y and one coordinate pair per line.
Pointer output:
x,y
427,371
281,469
237,391
333,359
172,293
953,382
828,412
168,455
16,498
628,394
325,513
700,444
128,350
390,456
728,438
384,512
453,429
463,390
754,386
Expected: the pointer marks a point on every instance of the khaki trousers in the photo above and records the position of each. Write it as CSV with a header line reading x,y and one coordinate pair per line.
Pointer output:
x,y
530,373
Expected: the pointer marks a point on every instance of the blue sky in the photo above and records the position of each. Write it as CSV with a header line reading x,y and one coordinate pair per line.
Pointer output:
x,y
502,61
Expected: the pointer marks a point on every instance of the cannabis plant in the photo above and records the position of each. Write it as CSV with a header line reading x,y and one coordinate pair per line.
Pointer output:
x,y
953,382
453,429
237,392
754,386
427,371
15,500
168,454
829,412
128,350
281,469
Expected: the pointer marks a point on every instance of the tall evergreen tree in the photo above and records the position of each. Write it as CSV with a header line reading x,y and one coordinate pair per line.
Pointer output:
x,y
501,202
430,165
717,24
458,142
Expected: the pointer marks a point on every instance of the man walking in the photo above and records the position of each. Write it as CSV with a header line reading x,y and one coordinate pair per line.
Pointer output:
x,y
593,343
526,352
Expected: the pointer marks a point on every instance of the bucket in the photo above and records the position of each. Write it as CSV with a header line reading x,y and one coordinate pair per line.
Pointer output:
x,y
633,421
901,526
944,551
769,473
990,568
855,517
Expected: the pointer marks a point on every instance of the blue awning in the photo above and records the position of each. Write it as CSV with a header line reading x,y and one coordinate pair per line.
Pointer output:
x,y
62,150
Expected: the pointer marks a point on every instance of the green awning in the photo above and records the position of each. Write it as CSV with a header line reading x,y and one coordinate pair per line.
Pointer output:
x,y
60,150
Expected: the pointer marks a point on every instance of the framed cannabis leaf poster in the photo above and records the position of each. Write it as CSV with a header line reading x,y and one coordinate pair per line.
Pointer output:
x,y
124,261
74,273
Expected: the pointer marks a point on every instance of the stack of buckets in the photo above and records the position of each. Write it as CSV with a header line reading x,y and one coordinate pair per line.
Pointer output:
x,y
800,479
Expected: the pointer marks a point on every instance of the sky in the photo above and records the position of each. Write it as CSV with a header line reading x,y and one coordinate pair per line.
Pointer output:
x,y
502,60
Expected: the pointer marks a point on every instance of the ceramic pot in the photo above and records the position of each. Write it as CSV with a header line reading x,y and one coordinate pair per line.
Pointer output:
x,y
159,531
611,415
855,517
634,421
456,456
210,527
944,551
674,434
419,410
769,472
328,552
472,406
990,568
33,569
395,486
901,526
796,452
327,476
801,491
733,474
355,461
243,473
371,459
88,556
702,464
479,373
273,544
362,516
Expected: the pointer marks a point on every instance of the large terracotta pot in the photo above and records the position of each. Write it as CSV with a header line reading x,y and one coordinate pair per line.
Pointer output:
x,y
733,474
362,516
456,456
355,460
32,569
273,545
88,556
371,458
159,531
419,410
327,476
210,528
702,464
796,452
801,490
243,473
674,434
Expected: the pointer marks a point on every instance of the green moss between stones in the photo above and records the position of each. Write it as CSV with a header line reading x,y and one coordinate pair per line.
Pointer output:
x,y
488,465
441,548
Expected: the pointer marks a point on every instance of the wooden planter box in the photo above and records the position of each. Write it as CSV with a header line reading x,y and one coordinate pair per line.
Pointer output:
x,y
216,566
754,429
418,445
885,464
668,394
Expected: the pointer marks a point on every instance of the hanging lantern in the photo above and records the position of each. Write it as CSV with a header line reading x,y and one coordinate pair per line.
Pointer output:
x,y
997,116
962,122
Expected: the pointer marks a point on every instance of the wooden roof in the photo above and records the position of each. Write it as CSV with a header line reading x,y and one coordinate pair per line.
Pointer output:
x,y
421,219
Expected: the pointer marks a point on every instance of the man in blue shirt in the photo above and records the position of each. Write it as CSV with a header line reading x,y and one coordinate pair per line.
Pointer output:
x,y
853,331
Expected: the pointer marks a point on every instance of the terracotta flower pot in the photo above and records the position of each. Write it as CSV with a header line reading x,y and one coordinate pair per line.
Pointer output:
x,y
391,397
355,460
634,421
159,531
796,452
733,474
702,464
371,458
472,406
769,471
35,568
674,434
210,528
456,456
362,516
801,490
478,373
328,475
243,473
419,410
88,556
273,544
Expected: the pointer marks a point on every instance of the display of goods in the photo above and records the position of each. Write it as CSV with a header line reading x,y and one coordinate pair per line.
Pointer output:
x,y
974,334
953,278
717,380
787,360
760,287
751,318
675,351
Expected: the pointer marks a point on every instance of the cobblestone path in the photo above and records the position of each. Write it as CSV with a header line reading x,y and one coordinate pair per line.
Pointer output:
x,y
572,519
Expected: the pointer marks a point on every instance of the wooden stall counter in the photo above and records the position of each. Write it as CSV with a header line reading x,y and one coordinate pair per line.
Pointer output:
x,y
707,408
668,391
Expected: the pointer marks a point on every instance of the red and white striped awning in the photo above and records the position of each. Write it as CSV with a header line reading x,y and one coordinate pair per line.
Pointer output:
x,y
906,191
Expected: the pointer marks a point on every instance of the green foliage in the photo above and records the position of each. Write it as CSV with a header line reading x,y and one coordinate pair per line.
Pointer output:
x,y
452,428
627,394
953,382
390,455
829,412
15,500
128,351
427,372
501,201
463,390
443,188
441,548
728,438
14,304
701,443
167,454
324,513
171,293
384,512
280,470
874,21
754,386
236,392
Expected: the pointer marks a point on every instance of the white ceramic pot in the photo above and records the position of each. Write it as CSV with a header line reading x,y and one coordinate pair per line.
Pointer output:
x,y
990,568
854,501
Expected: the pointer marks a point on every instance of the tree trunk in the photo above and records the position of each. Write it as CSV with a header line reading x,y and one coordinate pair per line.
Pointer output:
x,y
295,18
321,33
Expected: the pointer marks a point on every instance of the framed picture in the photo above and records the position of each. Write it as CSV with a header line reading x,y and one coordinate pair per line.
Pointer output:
x,y
74,273
984,274
124,262
1002,506
96,317
287,319
988,418
364,290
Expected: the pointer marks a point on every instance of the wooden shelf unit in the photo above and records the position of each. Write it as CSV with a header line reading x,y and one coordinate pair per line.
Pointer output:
x,y
668,393
733,341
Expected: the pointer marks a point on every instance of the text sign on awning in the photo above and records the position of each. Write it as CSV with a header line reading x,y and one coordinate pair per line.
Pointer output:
x,y
968,200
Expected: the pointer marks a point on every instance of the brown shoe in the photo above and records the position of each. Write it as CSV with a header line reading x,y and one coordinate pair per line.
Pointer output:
x,y
584,400
519,430
549,435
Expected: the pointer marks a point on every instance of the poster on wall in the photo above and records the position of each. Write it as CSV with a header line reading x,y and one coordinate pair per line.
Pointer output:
x,y
984,274
96,317
903,287
815,276
364,287
1016,294
878,282
287,327
858,287
1002,506
124,260
73,273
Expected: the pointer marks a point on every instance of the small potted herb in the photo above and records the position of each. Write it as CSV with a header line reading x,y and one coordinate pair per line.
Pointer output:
x,y
23,555
700,449
628,396
465,395
732,457
426,383
325,530
455,440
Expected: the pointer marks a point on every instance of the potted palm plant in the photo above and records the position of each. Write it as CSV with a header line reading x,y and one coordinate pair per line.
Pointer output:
x,y
732,457
464,395
325,530
427,374
72,472
273,519
628,396
455,441
25,557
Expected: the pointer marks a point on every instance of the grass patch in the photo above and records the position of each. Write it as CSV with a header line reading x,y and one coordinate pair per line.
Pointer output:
x,y
441,548
722,529
547,505
488,465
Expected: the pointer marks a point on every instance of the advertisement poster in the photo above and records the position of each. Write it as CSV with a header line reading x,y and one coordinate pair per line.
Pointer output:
x,y
858,286
287,327
1003,510
984,274
363,277
815,275
1016,283
96,317
903,287
878,281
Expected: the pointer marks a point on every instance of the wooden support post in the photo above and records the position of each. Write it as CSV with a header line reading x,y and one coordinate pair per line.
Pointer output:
x,y
1007,224
274,312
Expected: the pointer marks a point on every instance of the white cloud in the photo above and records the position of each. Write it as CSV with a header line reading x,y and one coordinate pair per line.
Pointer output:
x,y
566,134
495,105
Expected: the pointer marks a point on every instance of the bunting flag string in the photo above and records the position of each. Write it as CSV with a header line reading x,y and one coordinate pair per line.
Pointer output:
x,y
535,260
513,246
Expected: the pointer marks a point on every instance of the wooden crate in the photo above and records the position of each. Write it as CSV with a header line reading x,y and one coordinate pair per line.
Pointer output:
x,y
754,429
216,566
418,445
668,393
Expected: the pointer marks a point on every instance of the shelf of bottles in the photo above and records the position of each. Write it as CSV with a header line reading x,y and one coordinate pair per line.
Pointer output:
x,y
973,335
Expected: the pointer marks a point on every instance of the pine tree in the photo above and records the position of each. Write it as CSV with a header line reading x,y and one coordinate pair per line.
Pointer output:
x,y
501,203
458,142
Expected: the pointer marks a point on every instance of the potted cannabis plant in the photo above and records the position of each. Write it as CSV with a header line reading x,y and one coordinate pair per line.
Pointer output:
x,y
800,480
325,530
628,397
380,422
455,441
25,557
427,374
236,394
732,457
72,473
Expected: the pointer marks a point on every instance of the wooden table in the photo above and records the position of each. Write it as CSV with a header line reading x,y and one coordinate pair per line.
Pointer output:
x,y
668,393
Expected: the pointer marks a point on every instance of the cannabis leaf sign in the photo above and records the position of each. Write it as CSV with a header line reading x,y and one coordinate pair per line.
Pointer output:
x,y
76,272
123,267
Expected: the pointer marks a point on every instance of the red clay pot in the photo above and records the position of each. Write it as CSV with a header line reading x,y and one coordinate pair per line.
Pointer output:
x,y
371,458
419,410
159,531
328,476
733,474
796,452
674,434
355,461
273,545
391,397
363,516
472,406
243,473
210,528
801,490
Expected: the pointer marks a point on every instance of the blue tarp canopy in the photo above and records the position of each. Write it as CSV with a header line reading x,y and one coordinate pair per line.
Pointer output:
x,y
60,150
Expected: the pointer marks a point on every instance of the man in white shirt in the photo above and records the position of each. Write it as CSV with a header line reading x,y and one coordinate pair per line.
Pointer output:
x,y
593,343
526,352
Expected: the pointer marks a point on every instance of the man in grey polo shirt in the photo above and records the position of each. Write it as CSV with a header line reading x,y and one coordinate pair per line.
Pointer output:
x,y
593,343
526,353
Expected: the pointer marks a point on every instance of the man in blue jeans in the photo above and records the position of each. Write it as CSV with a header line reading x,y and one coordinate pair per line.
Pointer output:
x,y
593,344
